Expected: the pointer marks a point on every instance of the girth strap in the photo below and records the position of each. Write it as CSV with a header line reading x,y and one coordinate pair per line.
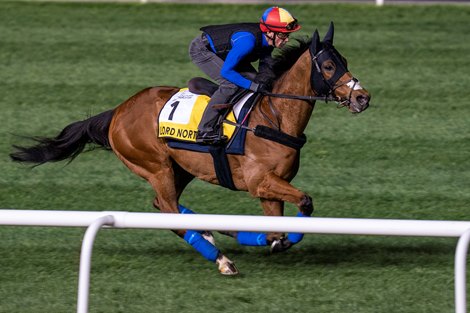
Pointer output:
x,y
287,140
222,167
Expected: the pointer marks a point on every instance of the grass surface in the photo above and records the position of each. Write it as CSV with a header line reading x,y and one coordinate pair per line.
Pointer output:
x,y
405,157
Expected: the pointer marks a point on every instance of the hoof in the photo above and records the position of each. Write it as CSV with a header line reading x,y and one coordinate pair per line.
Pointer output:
x,y
306,205
280,245
209,237
226,267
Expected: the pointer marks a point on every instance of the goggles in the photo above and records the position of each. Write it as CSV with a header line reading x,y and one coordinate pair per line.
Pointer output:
x,y
292,25
282,36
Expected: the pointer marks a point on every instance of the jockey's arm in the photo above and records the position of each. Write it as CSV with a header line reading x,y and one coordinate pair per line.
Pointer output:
x,y
243,44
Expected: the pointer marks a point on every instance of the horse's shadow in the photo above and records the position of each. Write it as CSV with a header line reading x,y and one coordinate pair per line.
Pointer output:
x,y
353,252
313,253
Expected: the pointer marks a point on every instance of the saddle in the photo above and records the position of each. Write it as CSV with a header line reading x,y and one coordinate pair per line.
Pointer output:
x,y
202,86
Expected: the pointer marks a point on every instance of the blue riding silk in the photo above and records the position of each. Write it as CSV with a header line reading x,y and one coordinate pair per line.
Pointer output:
x,y
296,237
243,43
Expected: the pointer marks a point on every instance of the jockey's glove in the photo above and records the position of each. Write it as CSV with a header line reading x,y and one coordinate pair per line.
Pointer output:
x,y
258,87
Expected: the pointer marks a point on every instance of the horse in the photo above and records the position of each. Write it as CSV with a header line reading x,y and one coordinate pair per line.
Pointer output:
x,y
314,70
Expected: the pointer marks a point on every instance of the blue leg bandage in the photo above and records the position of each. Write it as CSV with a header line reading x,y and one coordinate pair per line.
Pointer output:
x,y
195,239
204,247
251,239
296,237
184,210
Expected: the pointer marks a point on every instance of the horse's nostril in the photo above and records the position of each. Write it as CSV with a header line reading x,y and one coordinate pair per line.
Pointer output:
x,y
363,99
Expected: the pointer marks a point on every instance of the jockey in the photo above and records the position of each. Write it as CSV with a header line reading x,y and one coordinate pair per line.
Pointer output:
x,y
225,53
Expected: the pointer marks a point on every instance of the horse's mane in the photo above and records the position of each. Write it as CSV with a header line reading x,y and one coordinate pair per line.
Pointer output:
x,y
284,58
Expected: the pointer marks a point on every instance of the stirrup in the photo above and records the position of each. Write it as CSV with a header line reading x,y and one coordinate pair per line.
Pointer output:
x,y
211,138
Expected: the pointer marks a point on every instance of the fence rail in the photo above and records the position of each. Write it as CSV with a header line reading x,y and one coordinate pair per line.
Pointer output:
x,y
270,2
340,226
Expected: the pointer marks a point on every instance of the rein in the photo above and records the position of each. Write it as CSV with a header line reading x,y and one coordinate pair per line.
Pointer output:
x,y
309,99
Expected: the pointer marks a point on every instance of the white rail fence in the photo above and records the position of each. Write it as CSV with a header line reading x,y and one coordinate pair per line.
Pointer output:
x,y
341,226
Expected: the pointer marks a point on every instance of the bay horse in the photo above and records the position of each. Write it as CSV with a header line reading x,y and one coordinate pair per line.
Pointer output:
x,y
315,70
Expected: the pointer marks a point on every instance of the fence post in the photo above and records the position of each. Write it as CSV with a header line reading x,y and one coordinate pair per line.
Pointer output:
x,y
85,261
461,273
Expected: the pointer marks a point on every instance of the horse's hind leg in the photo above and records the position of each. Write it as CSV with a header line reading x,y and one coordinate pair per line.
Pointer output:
x,y
182,179
203,242
168,184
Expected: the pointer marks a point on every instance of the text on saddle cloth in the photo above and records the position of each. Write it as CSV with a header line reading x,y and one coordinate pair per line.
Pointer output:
x,y
181,115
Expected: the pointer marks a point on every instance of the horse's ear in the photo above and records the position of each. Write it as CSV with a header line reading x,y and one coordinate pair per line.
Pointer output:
x,y
330,34
315,42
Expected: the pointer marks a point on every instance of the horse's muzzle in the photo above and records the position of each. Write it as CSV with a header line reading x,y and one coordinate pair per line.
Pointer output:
x,y
359,103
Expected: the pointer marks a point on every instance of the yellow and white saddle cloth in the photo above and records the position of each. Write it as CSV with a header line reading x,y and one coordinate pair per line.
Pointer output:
x,y
181,115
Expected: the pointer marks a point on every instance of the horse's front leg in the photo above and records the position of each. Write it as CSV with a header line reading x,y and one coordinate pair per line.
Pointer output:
x,y
274,188
270,208
273,208
277,241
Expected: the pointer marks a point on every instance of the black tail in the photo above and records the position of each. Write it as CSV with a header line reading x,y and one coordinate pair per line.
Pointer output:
x,y
69,143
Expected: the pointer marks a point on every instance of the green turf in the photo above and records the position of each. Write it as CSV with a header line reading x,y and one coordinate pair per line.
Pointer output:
x,y
405,157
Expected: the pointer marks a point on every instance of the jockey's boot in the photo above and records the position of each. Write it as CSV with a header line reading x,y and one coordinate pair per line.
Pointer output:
x,y
211,137
210,130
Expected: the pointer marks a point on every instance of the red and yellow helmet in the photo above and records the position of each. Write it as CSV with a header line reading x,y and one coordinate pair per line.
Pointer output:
x,y
278,20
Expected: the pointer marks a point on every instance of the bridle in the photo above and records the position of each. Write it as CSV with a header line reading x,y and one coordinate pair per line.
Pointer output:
x,y
324,87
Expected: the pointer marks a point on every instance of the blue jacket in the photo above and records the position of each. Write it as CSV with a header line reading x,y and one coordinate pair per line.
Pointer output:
x,y
243,47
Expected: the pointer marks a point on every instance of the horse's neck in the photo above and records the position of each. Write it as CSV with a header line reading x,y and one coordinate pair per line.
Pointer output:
x,y
294,114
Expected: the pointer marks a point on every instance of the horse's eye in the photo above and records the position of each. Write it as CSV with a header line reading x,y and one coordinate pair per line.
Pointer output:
x,y
329,67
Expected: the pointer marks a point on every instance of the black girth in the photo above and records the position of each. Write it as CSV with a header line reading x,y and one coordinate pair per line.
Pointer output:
x,y
275,135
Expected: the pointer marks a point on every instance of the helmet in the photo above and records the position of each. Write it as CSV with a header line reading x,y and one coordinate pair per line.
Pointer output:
x,y
278,20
